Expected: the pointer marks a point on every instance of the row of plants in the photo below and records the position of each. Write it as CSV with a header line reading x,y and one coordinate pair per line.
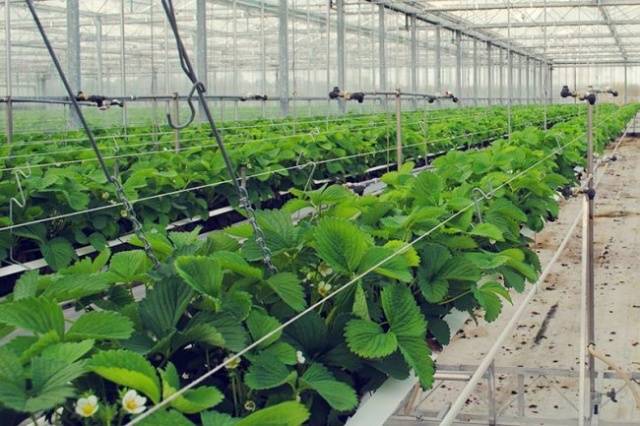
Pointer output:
x,y
46,179
403,260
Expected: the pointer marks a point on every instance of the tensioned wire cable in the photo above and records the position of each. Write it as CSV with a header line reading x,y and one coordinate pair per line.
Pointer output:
x,y
214,184
353,281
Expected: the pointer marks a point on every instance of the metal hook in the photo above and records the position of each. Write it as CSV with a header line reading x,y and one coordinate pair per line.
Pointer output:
x,y
192,109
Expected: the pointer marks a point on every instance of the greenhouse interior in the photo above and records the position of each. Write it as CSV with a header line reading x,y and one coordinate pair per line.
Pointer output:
x,y
304,212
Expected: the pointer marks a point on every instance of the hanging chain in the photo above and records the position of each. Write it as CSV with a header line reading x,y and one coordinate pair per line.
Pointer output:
x,y
198,86
133,218
121,196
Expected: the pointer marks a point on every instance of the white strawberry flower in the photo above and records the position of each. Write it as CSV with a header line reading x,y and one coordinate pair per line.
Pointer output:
x,y
250,406
133,403
87,407
324,288
233,363
325,270
300,357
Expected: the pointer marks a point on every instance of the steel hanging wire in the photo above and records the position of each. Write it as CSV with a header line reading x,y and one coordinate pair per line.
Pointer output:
x,y
120,193
243,195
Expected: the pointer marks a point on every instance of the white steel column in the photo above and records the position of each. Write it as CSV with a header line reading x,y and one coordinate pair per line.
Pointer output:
x,y
541,82
283,56
528,78
534,80
438,62
626,83
501,76
382,56
459,64
201,49
8,71
550,84
521,94
340,27
99,64
382,62
123,67
476,72
490,73
414,59
73,52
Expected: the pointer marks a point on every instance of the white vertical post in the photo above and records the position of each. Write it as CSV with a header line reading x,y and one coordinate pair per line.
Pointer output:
x,y
489,73
382,56
73,52
528,78
476,72
340,36
501,76
626,83
99,62
458,64
398,130
520,86
283,56
123,67
414,59
201,49
438,62
8,71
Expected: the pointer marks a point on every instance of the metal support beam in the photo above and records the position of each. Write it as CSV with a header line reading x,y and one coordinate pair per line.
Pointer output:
x,y
550,84
521,91
438,61
382,61
123,67
201,49
462,7
528,79
612,29
73,52
541,83
459,64
501,76
490,73
534,81
626,84
340,36
414,58
283,56
99,62
534,24
476,72
8,72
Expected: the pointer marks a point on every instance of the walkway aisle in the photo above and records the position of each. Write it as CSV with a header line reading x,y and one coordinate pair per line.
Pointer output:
x,y
548,335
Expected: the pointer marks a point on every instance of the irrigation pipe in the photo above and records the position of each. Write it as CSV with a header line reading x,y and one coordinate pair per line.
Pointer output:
x,y
460,402
356,279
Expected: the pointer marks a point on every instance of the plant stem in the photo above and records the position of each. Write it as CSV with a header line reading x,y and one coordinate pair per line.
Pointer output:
x,y
464,293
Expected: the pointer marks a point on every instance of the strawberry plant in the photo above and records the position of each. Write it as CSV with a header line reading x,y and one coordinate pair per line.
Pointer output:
x,y
401,260
62,178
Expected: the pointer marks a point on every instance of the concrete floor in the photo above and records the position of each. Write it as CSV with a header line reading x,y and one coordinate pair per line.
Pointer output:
x,y
548,334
